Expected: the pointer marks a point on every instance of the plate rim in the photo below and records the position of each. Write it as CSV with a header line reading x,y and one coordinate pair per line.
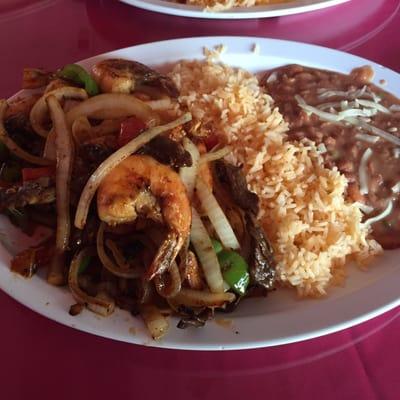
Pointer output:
x,y
171,344
262,11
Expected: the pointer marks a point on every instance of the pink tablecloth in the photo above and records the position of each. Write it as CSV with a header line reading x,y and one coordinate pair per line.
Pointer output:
x,y
40,359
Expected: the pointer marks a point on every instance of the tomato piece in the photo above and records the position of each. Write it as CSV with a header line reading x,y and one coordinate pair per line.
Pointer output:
x,y
130,128
211,141
31,174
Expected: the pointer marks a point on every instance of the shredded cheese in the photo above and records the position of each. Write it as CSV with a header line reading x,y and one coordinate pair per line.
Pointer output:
x,y
272,78
367,138
322,148
365,208
382,215
372,104
362,171
396,188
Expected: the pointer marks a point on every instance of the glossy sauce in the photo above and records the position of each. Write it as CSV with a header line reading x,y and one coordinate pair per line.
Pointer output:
x,y
344,149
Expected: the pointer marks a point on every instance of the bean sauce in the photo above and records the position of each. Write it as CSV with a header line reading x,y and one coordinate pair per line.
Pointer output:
x,y
344,148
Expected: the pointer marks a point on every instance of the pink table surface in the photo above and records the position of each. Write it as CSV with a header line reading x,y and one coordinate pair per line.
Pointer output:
x,y
40,359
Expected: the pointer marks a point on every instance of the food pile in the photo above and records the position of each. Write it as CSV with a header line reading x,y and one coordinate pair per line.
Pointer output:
x,y
184,194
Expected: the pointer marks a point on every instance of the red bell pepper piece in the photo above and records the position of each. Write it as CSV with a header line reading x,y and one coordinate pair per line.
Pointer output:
x,y
130,128
31,174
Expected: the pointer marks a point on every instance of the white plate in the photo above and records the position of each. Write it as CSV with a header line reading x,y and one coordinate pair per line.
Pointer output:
x,y
266,11
279,319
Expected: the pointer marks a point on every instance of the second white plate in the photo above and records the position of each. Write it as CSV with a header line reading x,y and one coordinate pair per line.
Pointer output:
x,y
265,11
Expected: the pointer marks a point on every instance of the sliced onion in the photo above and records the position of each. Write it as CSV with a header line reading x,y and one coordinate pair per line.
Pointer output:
x,y
215,155
159,105
65,155
396,152
206,254
112,106
362,171
188,174
197,298
216,216
108,263
99,305
112,161
155,322
12,146
168,284
387,211
81,130
49,150
38,113
118,256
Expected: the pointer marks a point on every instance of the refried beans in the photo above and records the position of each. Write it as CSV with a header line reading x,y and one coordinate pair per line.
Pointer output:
x,y
348,141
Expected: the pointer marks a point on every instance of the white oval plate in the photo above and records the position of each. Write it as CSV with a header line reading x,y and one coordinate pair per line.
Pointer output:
x,y
265,11
281,318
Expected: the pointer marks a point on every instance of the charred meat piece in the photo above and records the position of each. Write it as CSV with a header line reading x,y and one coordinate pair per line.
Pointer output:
x,y
193,318
167,151
27,194
262,263
232,178
20,130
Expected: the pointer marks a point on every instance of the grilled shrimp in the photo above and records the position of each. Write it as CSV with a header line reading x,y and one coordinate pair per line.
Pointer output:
x,y
142,186
124,76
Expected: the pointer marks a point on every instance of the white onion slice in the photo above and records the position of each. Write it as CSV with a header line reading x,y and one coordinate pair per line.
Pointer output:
x,y
215,155
396,152
206,254
198,298
96,304
362,171
382,215
217,217
155,322
188,174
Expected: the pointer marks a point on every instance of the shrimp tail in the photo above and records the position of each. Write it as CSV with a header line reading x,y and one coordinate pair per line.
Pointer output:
x,y
165,256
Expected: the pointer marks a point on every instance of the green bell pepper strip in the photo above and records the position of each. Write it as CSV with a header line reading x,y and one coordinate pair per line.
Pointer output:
x,y
234,271
80,76
84,264
217,246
